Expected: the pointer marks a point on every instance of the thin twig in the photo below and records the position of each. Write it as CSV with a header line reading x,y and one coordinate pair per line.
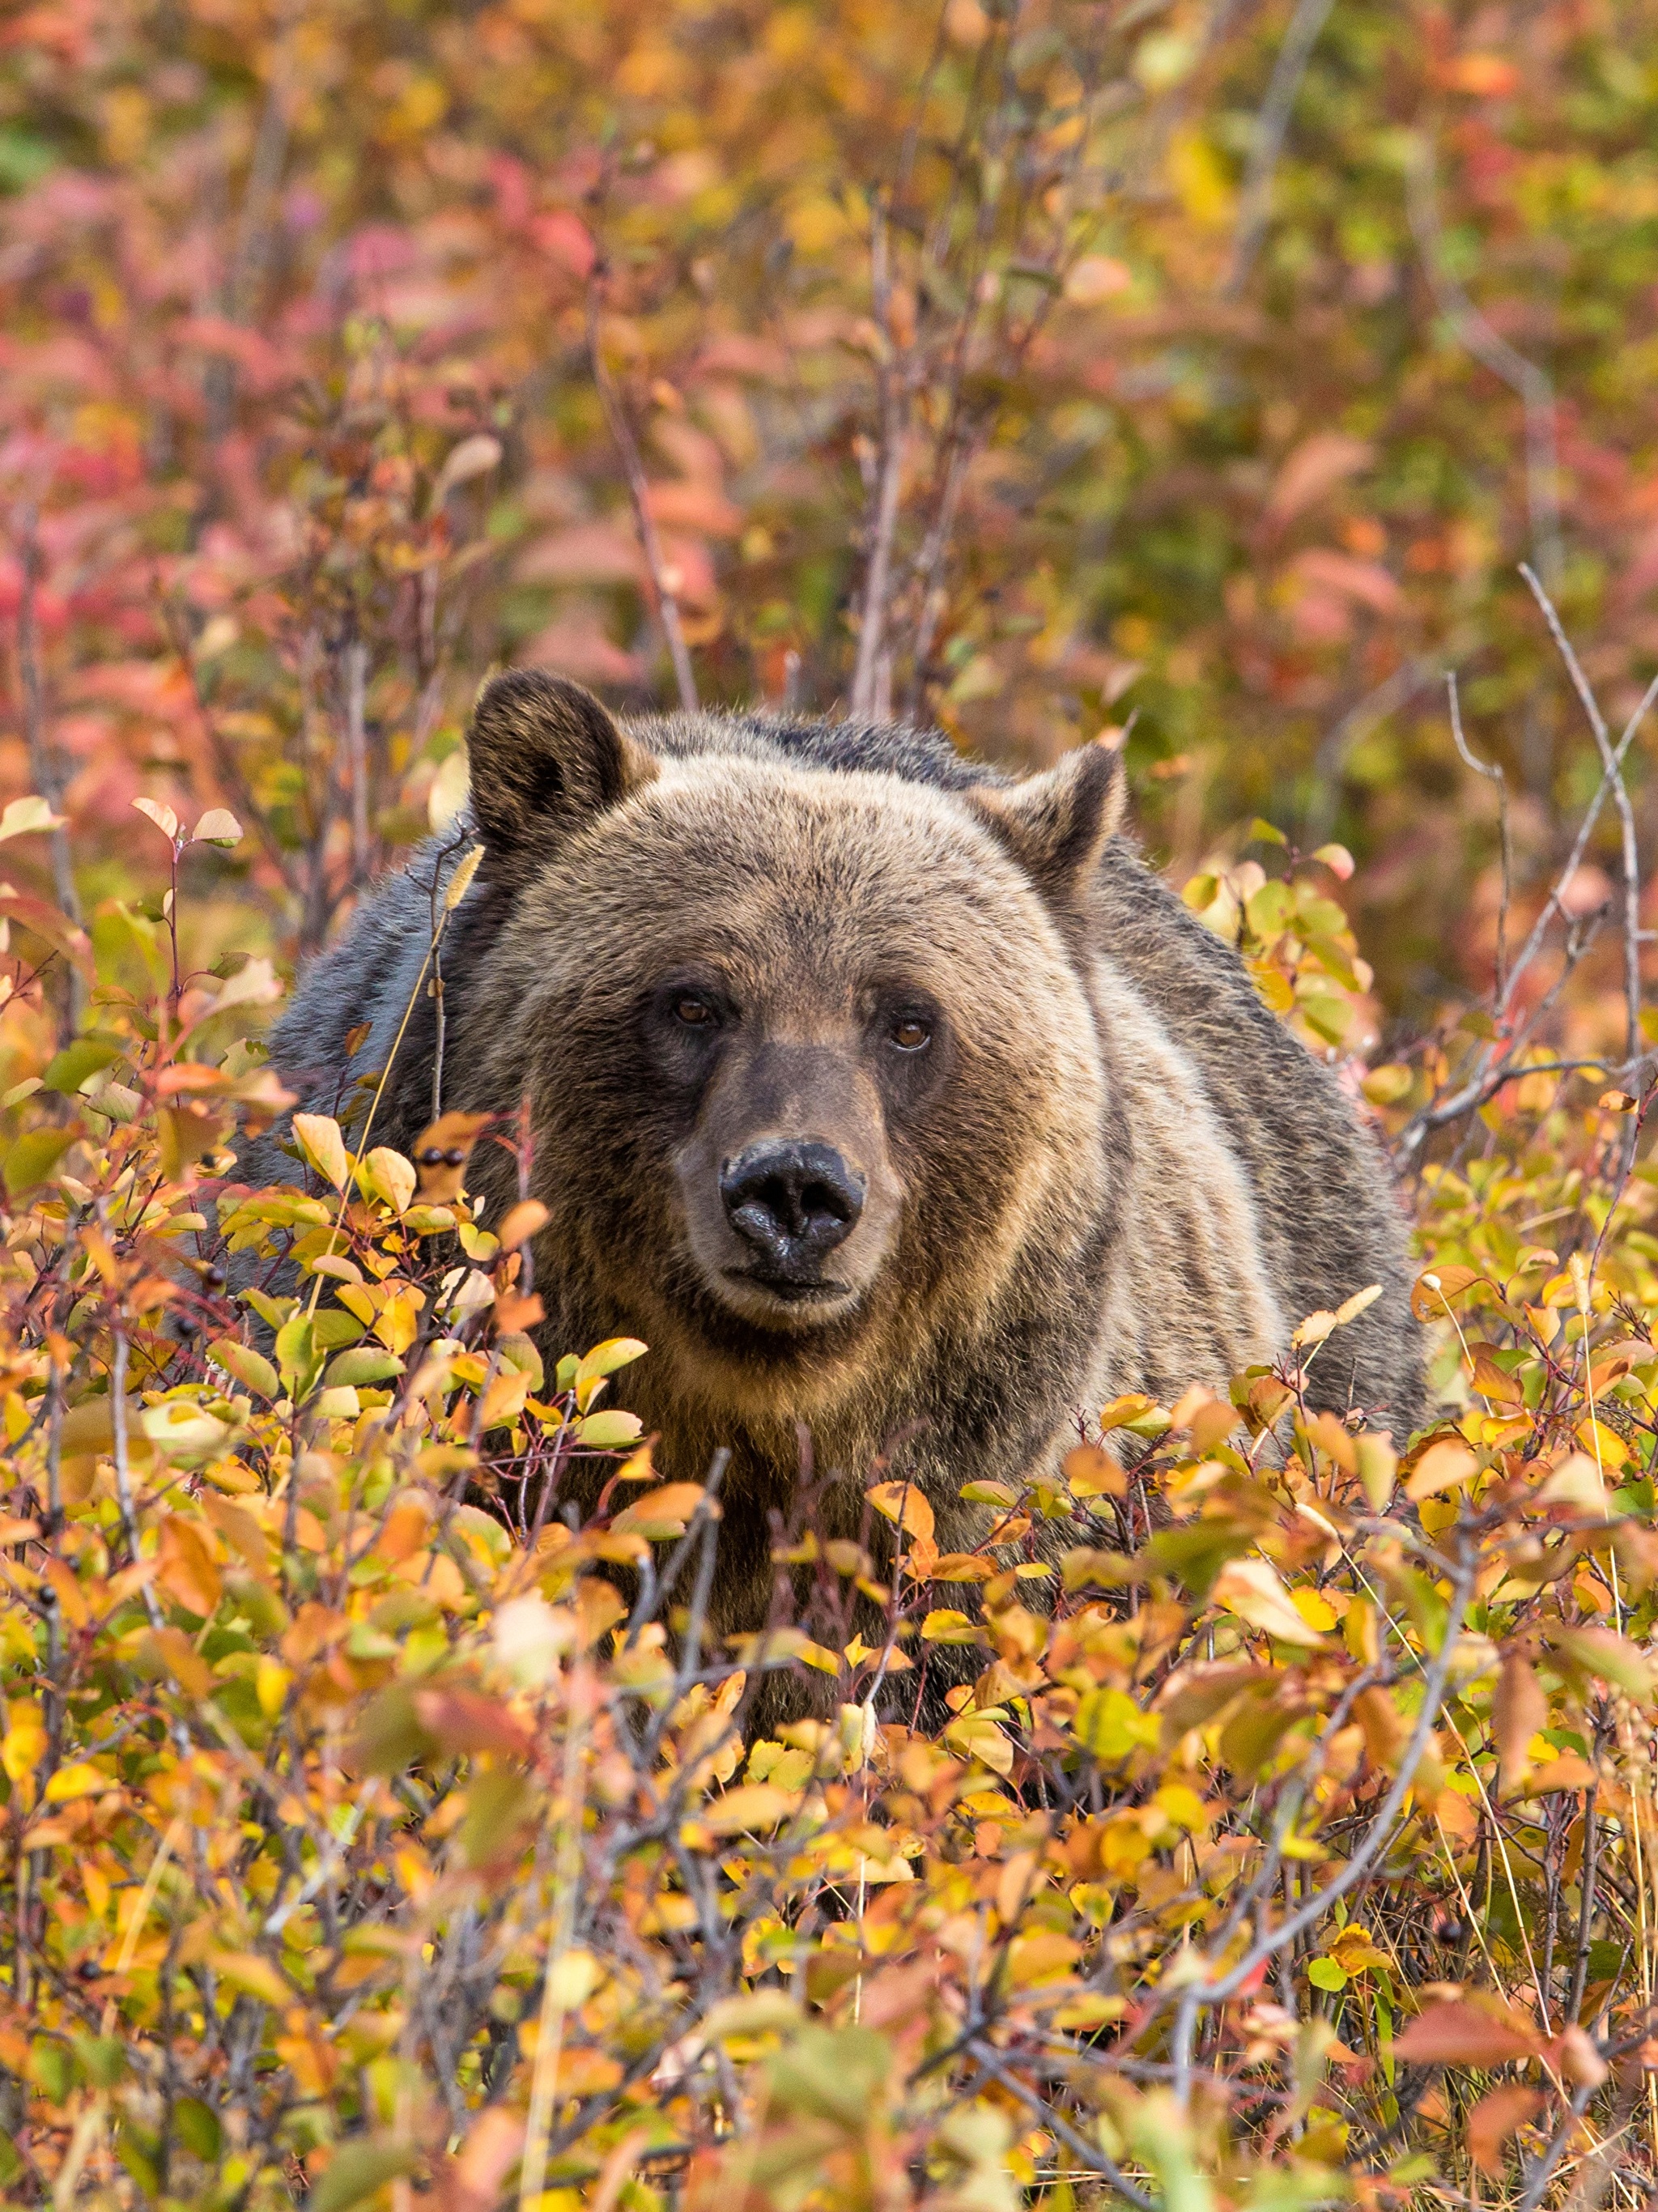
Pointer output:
x,y
46,765
1494,1062
1089,2154
1611,770
656,564
357,755
1533,386
1378,1834
1254,201
1492,772
118,1415
892,383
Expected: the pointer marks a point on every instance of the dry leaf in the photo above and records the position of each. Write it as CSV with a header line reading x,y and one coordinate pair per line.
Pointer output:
x,y
1519,1712
1251,1589
1494,2119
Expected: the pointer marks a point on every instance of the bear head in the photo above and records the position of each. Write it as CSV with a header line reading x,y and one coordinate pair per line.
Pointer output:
x,y
813,1074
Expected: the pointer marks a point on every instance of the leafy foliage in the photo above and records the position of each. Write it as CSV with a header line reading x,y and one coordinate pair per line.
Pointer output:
x,y
371,1827
370,1832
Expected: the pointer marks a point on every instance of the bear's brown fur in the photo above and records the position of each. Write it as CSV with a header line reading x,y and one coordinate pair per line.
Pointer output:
x,y
1074,1154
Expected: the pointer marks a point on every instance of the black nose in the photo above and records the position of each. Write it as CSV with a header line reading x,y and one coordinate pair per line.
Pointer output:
x,y
792,1202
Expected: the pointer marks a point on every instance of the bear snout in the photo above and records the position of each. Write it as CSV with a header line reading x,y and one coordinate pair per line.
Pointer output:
x,y
791,1203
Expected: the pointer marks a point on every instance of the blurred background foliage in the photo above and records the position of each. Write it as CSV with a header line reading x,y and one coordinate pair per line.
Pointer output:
x,y
1020,365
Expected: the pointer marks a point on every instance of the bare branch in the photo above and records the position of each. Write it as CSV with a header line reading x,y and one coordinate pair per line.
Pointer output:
x,y
891,387
1380,1832
656,564
1493,774
1254,201
1533,386
357,755
46,765
1612,768
1497,1061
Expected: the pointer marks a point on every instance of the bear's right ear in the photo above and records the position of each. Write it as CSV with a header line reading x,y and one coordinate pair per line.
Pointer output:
x,y
545,759
1057,825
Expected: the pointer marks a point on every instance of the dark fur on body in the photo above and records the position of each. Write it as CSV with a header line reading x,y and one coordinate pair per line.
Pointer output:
x,y
1111,1170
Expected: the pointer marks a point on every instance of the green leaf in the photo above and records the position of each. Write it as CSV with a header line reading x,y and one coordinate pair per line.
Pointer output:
x,y
1262,832
199,2128
68,1070
605,1358
247,1366
609,1431
1324,1974
335,1328
101,2058
273,1312
297,1356
356,2171
1109,1725
30,1160
365,1363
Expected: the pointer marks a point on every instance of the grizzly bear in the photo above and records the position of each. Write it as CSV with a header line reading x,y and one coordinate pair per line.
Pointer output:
x,y
892,1101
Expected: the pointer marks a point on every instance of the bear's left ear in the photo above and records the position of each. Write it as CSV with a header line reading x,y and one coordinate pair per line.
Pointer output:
x,y
1057,825
545,759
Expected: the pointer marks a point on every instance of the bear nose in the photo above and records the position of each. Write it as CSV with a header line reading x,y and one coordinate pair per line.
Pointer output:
x,y
792,1202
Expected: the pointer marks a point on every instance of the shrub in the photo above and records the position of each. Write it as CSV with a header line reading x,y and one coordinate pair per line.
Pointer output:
x,y
371,1832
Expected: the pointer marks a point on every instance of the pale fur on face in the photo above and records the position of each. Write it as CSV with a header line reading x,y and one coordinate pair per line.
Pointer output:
x,y
800,896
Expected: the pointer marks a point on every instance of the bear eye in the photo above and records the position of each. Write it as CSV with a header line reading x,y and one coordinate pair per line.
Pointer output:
x,y
695,1014
910,1033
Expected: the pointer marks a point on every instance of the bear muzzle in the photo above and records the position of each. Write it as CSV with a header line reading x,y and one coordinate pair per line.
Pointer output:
x,y
792,1203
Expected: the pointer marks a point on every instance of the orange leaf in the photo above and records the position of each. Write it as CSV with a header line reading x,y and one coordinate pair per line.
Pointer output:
x,y
1440,1467
902,1504
1519,1710
1439,1288
1458,2033
187,1569
465,1719
1494,2119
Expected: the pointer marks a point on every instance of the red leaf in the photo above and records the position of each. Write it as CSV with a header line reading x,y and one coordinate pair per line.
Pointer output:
x,y
1459,2033
465,1719
1494,2119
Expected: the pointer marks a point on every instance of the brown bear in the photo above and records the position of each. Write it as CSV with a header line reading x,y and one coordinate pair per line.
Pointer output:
x,y
878,1092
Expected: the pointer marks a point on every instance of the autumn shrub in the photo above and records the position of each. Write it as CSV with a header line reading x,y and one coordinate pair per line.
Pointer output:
x,y
374,1830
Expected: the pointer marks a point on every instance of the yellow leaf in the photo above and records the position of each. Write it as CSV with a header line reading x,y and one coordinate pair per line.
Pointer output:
x,y
25,1743
1317,1611
318,1136
976,1736
247,1971
752,1805
903,1504
573,1979
397,1322
1441,1467
1603,1445
391,1177
79,1780
22,815
944,1627
187,1571
271,1682
1251,1590
1200,180
665,1511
